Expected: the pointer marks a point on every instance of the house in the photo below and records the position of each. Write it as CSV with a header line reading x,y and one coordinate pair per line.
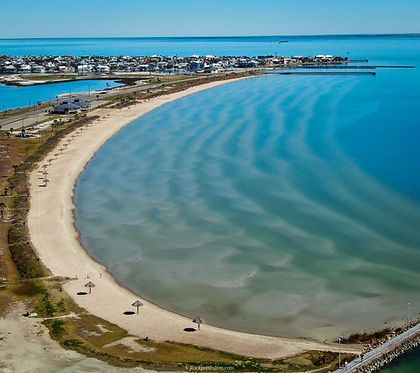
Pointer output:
x,y
10,69
196,65
152,68
24,69
38,69
84,69
66,108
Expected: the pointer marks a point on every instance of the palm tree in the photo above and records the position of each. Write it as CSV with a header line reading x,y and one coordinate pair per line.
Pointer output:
x,y
2,208
137,304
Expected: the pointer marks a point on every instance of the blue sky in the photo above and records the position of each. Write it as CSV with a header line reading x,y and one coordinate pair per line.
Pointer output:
x,y
95,18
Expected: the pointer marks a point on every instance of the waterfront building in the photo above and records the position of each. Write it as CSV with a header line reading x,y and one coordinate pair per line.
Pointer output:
x,y
67,108
83,105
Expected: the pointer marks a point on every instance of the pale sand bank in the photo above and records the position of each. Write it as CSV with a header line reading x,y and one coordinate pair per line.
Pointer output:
x,y
52,231
26,347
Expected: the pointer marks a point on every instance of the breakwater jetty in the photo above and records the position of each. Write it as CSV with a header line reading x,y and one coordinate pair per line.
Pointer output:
x,y
384,354
356,67
326,73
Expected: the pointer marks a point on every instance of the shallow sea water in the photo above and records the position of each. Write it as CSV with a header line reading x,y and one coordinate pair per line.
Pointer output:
x,y
283,205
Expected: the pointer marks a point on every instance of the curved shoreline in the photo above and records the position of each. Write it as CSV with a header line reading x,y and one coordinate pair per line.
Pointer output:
x,y
53,234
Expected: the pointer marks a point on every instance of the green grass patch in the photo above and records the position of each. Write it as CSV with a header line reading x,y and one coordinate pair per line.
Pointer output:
x,y
72,343
56,327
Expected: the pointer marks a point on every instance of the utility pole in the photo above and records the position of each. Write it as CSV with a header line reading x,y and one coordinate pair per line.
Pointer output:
x,y
409,313
339,351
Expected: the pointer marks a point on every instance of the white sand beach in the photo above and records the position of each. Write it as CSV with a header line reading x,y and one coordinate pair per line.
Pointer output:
x,y
52,231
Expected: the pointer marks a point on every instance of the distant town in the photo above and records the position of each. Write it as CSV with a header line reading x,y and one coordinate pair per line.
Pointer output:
x,y
153,64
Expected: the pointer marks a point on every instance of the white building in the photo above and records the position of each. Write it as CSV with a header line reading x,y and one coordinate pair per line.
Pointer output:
x,y
103,69
84,69
10,69
24,69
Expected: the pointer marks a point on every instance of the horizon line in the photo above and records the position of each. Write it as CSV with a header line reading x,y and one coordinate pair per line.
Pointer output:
x,y
212,36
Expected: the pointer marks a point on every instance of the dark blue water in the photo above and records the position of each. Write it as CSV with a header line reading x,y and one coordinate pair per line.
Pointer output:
x,y
12,97
381,47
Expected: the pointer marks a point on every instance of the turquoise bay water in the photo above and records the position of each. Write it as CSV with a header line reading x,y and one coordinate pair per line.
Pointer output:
x,y
409,363
285,205
12,97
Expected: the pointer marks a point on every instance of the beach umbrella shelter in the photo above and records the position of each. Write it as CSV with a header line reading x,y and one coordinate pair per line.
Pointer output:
x,y
198,320
137,304
90,285
2,208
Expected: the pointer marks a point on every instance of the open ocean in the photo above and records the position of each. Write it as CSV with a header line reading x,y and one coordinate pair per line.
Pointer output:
x,y
284,204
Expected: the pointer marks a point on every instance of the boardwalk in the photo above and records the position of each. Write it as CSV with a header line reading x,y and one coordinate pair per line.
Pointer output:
x,y
381,350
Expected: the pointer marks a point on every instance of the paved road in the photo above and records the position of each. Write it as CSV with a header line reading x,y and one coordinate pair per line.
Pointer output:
x,y
380,350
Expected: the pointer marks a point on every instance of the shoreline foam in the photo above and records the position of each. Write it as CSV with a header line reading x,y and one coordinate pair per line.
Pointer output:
x,y
53,234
